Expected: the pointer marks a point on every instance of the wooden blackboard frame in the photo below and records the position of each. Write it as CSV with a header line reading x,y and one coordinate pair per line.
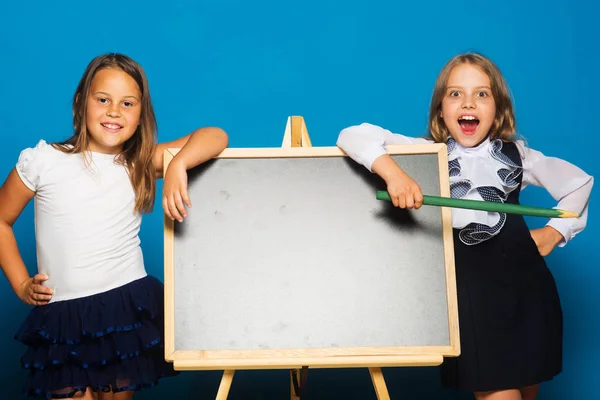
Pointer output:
x,y
297,145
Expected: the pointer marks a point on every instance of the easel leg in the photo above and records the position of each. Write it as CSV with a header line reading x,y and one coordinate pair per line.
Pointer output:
x,y
379,383
292,390
298,382
225,385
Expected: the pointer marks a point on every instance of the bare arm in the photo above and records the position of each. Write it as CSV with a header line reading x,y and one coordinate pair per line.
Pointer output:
x,y
403,190
14,196
196,148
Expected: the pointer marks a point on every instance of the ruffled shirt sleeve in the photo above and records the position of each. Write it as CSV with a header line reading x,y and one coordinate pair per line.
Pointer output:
x,y
30,165
364,143
565,182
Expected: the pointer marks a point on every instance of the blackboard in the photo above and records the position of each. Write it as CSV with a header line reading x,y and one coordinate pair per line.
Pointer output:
x,y
286,258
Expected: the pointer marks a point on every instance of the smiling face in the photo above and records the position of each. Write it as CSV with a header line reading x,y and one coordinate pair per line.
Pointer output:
x,y
113,110
468,107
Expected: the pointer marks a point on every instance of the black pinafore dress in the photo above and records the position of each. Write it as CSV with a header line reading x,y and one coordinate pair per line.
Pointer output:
x,y
510,316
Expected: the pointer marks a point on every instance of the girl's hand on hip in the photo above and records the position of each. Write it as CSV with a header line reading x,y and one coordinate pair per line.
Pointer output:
x,y
546,239
34,293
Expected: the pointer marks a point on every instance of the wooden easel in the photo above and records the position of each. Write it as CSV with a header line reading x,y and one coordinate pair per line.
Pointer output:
x,y
296,135
298,360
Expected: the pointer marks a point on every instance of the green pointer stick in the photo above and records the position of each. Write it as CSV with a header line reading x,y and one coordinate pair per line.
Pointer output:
x,y
488,206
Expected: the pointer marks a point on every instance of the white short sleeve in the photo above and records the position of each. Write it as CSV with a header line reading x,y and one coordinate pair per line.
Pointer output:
x,y
31,165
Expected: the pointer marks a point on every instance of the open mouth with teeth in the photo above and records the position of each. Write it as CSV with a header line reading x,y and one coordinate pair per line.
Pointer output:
x,y
111,127
468,124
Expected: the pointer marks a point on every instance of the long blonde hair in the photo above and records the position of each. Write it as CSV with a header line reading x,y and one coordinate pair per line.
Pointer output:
x,y
504,126
138,150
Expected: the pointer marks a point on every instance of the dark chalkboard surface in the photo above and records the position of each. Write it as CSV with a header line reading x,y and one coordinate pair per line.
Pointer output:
x,y
287,255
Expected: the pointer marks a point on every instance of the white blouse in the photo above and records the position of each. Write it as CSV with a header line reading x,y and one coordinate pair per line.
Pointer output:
x,y
565,182
85,223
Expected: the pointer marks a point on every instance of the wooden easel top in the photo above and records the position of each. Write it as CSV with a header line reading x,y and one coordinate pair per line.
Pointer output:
x,y
296,134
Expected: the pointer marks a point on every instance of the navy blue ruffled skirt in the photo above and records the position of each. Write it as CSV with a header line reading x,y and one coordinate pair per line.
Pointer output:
x,y
111,341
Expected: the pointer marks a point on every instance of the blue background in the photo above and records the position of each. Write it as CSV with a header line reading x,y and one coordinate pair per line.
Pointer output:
x,y
246,66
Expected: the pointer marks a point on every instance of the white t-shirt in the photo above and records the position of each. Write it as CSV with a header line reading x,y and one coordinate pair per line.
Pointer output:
x,y
86,227
566,183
